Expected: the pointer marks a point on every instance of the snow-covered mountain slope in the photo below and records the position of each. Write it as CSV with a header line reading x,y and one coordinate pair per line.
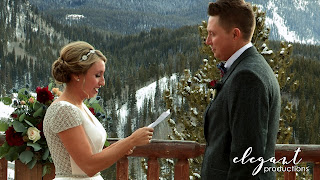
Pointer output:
x,y
289,20
293,21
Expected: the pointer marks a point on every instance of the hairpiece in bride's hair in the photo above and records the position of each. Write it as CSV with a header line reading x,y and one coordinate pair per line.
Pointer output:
x,y
85,57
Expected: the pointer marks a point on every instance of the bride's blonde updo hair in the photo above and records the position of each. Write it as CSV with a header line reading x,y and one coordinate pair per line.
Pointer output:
x,y
75,58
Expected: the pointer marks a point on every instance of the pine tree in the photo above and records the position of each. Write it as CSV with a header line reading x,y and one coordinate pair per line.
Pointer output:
x,y
112,121
194,92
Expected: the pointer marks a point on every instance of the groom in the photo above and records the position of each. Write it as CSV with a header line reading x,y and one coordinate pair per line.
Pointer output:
x,y
245,113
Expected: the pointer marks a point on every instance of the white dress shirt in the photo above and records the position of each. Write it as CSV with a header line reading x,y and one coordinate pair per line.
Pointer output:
x,y
235,56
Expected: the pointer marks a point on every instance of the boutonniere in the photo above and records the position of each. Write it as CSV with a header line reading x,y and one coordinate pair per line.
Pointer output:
x,y
215,85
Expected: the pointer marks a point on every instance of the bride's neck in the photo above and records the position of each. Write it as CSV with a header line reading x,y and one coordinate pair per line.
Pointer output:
x,y
72,96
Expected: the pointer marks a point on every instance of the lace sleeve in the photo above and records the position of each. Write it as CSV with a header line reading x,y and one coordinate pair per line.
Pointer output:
x,y
65,117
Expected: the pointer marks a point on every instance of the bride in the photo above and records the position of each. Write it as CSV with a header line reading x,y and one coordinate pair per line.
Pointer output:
x,y
75,137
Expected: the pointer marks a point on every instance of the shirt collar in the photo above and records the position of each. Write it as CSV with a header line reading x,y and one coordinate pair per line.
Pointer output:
x,y
235,56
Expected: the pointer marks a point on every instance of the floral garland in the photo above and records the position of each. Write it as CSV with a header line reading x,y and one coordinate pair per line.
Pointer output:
x,y
24,132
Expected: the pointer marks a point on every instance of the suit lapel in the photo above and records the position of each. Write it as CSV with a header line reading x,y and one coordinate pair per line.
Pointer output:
x,y
248,52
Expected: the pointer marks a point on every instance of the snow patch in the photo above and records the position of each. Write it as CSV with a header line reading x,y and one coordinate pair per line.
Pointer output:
x,y
74,16
5,111
300,5
279,22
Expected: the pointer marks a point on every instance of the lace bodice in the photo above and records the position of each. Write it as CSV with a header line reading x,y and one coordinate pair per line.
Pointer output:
x,y
61,116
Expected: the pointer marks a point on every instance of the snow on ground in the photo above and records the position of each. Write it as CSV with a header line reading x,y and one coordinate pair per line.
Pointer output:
x,y
5,111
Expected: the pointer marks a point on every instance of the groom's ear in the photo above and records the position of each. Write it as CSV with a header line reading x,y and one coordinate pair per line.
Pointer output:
x,y
236,33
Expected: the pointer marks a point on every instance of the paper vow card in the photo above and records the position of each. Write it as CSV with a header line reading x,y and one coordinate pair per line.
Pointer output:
x,y
163,116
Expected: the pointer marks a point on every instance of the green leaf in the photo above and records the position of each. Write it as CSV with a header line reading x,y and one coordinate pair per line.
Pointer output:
x,y
32,120
36,146
4,149
50,86
3,126
106,144
12,154
32,163
19,127
46,169
97,107
29,123
26,156
46,154
22,95
6,100
86,102
38,113
93,100
21,118
36,106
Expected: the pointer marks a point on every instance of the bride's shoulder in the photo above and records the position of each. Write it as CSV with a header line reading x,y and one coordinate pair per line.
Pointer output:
x,y
61,106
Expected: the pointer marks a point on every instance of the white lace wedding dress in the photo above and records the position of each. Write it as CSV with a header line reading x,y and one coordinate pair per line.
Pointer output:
x,y
61,116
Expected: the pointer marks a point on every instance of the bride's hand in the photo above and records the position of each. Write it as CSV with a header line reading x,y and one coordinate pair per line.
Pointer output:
x,y
130,151
142,136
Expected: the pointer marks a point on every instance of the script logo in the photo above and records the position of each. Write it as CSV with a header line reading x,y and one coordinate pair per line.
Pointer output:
x,y
246,159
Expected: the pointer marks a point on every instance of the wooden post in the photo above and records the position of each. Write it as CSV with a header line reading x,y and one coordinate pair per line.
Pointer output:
x,y
3,169
289,175
181,170
122,169
316,171
51,175
3,161
153,169
22,172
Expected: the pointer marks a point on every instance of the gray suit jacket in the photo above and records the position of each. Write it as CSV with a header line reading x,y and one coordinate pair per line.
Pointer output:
x,y
245,113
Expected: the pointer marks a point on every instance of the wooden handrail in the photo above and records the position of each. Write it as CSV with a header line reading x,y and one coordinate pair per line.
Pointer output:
x,y
182,151
167,149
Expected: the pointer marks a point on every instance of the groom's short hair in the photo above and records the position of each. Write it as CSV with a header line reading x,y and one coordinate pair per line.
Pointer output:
x,y
234,14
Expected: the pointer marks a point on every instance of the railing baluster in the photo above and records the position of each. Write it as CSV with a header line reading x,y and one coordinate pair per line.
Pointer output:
x,y
316,171
181,170
122,169
289,175
22,172
3,168
51,175
153,169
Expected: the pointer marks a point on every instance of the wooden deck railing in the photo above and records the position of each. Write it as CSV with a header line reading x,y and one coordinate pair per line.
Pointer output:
x,y
180,150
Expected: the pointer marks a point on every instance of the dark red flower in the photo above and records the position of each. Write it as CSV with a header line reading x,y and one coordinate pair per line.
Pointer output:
x,y
14,116
92,111
14,138
40,128
44,95
213,83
